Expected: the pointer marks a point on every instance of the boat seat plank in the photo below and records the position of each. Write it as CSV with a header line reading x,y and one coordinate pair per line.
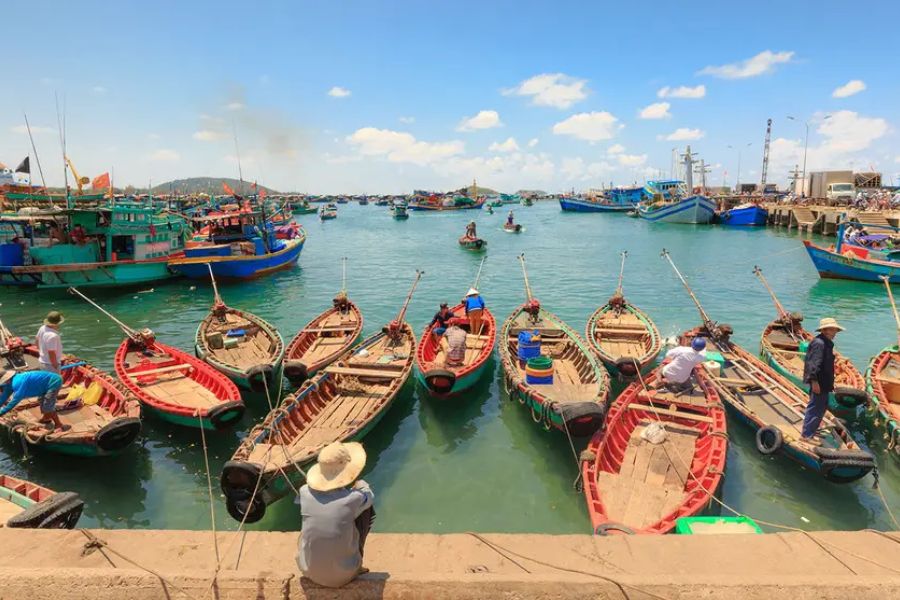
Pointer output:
x,y
135,374
669,412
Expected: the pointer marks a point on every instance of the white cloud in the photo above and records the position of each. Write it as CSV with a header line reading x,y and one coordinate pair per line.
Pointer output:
x,y
897,159
338,92
551,89
153,136
592,126
533,142
615,149
165,154
657,110
99,89
485,119
682,91
234,106
631,160
35,129
509,145
762,63
854,86
846,131
208,135
407,120
399,146
513,170
683,134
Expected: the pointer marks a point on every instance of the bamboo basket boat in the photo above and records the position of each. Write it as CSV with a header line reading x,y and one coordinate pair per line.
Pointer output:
x,y
322,340
242,346
441,379
342,403
103,418
175,386
623,336
883,385
635,486
28,505
472,243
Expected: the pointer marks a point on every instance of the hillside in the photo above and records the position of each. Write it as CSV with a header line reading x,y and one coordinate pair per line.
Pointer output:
x,y
205,185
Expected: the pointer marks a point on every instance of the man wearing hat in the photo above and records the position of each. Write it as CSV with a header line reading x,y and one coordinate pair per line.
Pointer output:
x,y
15,387
474,308
818,374
337,514
679,363
49,343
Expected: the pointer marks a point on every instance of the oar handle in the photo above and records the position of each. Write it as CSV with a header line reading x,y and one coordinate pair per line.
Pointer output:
x,y
778,307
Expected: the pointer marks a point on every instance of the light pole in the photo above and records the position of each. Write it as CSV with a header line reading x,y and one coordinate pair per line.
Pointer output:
x,y
737,185
805,148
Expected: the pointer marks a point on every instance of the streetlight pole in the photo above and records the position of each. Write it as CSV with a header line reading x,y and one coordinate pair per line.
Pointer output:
x,y
806,149
737,184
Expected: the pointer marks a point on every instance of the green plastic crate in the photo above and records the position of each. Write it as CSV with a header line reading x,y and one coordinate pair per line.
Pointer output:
x,y
715,525
716,356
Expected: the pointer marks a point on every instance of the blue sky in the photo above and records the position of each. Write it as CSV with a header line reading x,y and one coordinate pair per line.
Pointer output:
x,y
391,96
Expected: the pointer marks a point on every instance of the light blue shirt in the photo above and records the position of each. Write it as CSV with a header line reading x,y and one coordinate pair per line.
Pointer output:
x,y
29,384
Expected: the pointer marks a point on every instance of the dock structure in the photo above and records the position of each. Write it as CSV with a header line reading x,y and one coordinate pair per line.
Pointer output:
x,y
825,220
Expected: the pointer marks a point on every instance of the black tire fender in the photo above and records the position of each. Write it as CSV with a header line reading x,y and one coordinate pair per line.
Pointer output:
x,y
849,397
769,440
238,476
439,381
60,511
118,434
226,414
605,529
296,371
828,467
628,366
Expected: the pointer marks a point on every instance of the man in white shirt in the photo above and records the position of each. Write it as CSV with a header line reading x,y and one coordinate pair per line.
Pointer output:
x,y
49,343
680,362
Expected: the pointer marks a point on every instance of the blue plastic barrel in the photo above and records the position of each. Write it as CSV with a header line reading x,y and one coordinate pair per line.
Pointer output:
x,y
528,346
11,255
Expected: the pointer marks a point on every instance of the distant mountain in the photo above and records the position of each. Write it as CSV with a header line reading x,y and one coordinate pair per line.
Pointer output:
x,y
479,191
532,192
206,185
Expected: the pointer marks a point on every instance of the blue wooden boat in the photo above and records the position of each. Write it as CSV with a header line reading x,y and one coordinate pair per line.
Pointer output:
x,y
693,209
627,195
577,204
852,264
745,215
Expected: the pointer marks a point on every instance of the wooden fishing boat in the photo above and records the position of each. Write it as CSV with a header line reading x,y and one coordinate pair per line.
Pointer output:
x,y
328,212
783,346
512,228
470,243
28,505
323,340
633,485
399,212
432,369
246,348
175,386
342,403
103,418
883,385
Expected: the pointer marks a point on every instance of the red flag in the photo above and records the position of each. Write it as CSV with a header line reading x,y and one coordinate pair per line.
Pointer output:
x,y
227,189
100,181
262,193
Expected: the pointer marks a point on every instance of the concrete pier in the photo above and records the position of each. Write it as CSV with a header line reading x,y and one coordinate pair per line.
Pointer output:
x,y
141,564
826,219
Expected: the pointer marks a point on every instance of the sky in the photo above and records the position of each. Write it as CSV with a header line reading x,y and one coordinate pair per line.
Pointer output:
x,y
391,96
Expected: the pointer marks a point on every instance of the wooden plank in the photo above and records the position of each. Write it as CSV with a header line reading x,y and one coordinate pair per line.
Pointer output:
x,y
137,374
673,413
362,372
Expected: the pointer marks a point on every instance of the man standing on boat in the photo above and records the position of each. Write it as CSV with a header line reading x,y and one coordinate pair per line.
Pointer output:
x,y
474,309
818,374
337,515
49,343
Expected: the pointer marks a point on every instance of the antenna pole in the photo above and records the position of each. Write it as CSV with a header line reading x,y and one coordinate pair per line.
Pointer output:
x,y
237,153
34,149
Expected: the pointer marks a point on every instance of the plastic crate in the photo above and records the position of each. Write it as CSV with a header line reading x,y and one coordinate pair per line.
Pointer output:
x,y
715,525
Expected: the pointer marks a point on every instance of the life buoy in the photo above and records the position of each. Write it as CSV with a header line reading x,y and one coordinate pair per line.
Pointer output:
x,y
118,434
769,440
224,415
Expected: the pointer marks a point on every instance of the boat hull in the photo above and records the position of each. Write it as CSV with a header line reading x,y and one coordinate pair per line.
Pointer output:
x,y
692,210
752,216
241,267
573,205
886,415
832,265
106,274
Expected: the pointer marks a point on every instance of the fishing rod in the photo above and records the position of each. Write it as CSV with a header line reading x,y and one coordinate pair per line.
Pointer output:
x,y
707,322
217,299
128,330
621,273
409,296
478,275
525,275
887,285
758,272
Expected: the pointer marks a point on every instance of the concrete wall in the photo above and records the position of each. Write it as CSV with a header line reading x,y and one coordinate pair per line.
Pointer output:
x,y
62,565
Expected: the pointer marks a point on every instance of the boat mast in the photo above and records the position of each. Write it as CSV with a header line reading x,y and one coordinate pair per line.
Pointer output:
x,y
237,153
781,312
61,124
36,157
217,299
887,285
689,172
624,253
707,322
525,275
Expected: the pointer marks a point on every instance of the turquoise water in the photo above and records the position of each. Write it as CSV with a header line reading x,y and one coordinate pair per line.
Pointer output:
x,y
476,462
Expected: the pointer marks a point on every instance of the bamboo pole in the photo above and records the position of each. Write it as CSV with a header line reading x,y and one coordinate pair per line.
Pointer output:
x,y
409,296
525,275
478,275
624,254
128,330
759,274
710,325
344,275
887,285
218,298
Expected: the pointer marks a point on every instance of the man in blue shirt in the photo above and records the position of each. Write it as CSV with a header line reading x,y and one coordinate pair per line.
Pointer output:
x,y
15,387
474,309
818,374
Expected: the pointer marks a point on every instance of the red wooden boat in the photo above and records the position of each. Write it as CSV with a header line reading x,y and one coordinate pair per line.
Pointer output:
x,y
635,486
24,504
176,386
323,340
442,379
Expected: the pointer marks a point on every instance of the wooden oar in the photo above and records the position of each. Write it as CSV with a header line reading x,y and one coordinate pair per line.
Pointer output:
x,y
525,275
778,307
707,322
624,254
128,330
887,285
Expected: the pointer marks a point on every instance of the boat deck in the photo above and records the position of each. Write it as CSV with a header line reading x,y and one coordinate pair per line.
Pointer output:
x,y
474,347
252,349
175,387
325,344
621,335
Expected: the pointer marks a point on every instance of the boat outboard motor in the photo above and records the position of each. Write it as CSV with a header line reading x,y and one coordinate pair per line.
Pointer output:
x,y
533,308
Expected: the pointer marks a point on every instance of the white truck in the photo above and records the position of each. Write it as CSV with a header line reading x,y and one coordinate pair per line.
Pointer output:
x,y
840,191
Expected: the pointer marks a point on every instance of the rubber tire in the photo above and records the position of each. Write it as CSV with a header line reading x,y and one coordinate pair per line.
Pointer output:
x,y
777,440
238,476
628,367
296,372
118,434
60,511
856,397
237,508
604,529
255,381
441,375
225,415
828,466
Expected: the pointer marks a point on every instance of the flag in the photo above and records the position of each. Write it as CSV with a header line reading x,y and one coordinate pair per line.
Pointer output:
x,y
227,189
262,193
24,166
253,186
100,181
